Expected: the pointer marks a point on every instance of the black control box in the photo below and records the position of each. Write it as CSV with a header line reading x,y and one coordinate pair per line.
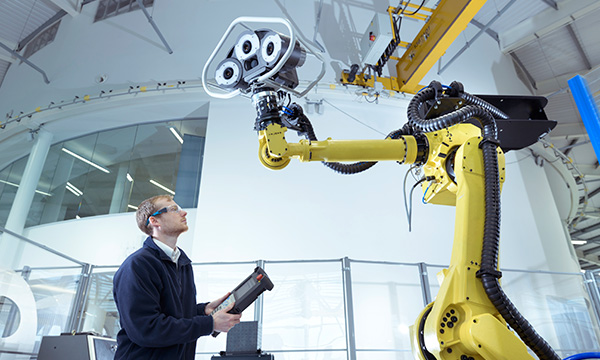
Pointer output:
x,y
246,292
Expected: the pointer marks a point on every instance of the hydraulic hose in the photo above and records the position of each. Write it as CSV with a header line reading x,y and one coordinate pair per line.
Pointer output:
x,y
482,111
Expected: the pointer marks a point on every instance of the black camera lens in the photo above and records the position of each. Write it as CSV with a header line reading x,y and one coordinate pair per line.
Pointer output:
x,y
270,49
246,47
228,73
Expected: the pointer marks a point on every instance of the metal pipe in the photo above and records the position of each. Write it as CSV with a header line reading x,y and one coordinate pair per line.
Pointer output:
x,y
75,322
484,29
317,22
423,276
154,26
348,309
25,61
301,261
259,305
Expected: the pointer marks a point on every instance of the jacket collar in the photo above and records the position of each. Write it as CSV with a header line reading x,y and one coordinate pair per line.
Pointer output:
x,y
183,258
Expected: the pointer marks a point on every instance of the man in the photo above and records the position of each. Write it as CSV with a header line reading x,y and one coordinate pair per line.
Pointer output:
x,y
155,293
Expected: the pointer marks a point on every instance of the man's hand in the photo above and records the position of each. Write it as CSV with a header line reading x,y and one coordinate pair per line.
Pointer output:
x,y
223,321
211,306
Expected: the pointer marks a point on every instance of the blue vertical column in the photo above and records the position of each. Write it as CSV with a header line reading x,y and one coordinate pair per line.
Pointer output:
x,y
587,110
11,249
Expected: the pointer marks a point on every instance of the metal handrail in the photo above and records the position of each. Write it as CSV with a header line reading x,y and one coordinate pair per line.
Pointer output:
x,y
41,246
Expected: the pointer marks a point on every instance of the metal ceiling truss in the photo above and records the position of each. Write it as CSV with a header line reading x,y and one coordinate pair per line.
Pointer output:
x,y
523,68
481,31
17,55
577,43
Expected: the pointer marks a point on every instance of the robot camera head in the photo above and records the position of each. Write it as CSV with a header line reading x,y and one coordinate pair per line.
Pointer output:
x,y
260,58
254,54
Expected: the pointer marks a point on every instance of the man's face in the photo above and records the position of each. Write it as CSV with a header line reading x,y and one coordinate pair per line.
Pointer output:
x,y
172,222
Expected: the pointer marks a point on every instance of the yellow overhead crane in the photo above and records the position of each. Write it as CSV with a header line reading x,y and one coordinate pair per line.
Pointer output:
x,y
442,25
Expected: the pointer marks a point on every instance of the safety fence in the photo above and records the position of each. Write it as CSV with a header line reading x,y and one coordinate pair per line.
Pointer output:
x,y
319,309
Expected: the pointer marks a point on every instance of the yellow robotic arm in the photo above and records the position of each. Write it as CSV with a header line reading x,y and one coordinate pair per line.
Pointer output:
x,y
463,167
454,136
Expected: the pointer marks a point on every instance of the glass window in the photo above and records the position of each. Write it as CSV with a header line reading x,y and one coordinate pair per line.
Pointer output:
x,y
112,172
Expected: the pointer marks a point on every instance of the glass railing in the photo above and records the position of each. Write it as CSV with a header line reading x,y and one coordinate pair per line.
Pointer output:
x,y
318,309
306,314
38,298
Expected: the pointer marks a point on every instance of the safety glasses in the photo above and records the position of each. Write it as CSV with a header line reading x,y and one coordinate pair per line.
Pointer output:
x,y
173,208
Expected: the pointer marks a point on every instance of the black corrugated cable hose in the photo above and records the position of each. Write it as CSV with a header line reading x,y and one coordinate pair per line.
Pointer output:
x,y
482,111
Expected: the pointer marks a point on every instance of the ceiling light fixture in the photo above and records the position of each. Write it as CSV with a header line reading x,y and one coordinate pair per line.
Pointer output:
x,y
176,134
162,187
132,207
129,178
85,160
579,242
72,188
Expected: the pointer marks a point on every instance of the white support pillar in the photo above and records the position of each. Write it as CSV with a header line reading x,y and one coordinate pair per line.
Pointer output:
x,y
117,203
11,248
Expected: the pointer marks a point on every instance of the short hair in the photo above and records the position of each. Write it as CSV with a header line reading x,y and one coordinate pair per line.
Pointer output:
x,y
145,210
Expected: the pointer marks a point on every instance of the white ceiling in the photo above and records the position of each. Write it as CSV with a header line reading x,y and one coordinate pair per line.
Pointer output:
x,y
549,41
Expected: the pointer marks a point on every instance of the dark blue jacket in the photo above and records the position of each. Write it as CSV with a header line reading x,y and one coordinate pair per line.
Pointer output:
x,y
157,306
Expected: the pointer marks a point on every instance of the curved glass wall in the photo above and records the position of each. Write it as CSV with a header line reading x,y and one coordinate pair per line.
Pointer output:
x,y
112,172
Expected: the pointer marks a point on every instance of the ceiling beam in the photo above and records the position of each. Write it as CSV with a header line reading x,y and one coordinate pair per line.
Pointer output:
x,y
551,3
577,43
71,7
40,28
592,215
8,49
7,58
572,143
488,31
549,87
588,258
568,129
524,70
591,251
576,233
10,44
545,22
590,195
481,31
